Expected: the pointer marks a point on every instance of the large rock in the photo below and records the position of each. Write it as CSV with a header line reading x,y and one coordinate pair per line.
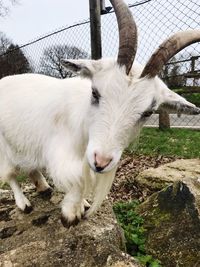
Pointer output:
x,y
39,239
183,170
172,215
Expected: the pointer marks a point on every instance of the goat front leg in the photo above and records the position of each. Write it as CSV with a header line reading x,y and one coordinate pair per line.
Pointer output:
x,y
66,170
73,206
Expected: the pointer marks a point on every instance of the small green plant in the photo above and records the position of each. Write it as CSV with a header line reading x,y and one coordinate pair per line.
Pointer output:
x,y
134,232
21,177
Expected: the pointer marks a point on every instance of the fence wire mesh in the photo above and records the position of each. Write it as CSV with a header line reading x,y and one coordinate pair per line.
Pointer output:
x,y
156,20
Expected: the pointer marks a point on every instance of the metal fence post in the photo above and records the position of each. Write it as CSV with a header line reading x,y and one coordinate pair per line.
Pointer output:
x,y
95,28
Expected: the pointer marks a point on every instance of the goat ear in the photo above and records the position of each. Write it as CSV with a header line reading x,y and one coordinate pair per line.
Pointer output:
x,y
83,67
175,103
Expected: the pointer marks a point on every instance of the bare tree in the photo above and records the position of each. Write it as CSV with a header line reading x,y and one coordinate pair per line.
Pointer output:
x,y
5,6
52,56
14,62
4,43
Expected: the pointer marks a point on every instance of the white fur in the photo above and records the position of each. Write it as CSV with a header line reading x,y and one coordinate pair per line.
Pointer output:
x,y
50,123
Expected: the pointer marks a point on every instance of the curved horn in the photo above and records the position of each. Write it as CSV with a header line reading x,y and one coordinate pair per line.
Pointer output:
x,y
127,34
168,49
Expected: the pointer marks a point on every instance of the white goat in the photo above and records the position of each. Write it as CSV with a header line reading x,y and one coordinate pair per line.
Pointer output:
x,y
78,128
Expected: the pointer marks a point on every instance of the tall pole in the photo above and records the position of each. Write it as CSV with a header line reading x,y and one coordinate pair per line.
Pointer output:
x,y
102,3
95,28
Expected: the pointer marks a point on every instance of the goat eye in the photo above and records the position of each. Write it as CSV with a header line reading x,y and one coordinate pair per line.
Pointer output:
x,y
95,96
147,114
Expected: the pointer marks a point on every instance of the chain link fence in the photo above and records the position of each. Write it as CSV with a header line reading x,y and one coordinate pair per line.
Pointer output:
x,y
156,20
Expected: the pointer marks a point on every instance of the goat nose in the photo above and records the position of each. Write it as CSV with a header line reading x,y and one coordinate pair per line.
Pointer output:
x,y
101,162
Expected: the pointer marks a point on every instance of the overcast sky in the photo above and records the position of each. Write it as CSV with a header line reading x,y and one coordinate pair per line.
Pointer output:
x,y
33,18
156,20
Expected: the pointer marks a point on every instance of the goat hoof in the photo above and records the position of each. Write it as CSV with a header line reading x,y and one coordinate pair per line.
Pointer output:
x,y
28,209
66,223
86,208
46,194
83,215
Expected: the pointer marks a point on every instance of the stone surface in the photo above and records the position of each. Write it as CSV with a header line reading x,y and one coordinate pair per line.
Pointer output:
x,y
172,215
39,239
183,170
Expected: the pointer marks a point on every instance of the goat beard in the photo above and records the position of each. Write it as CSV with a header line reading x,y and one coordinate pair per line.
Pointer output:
x,y
96,186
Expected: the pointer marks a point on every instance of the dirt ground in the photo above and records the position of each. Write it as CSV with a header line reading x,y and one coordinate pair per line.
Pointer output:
x,y
125,187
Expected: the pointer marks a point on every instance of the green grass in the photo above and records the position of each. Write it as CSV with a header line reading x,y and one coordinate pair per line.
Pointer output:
x,y
194,98
20,178
191,97
182,143
134,232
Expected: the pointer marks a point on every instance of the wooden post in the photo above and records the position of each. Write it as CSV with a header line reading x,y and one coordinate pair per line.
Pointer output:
x,y
164,120
193,59
95,28
103,6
